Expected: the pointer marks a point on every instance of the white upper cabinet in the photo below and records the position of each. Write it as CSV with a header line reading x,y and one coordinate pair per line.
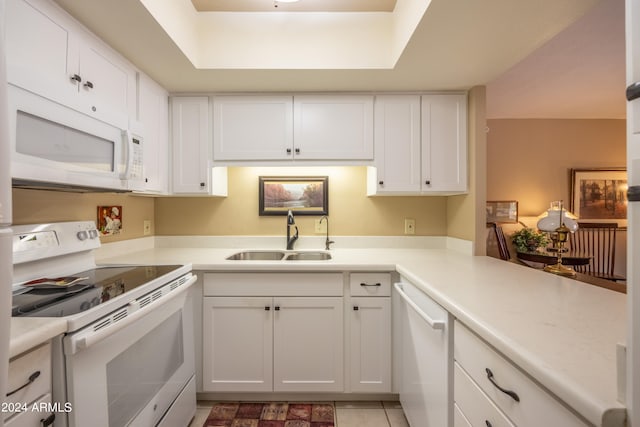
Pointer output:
x,y
333,127
50,54
252,127
153,113
397,145
190,137
444,143
421,145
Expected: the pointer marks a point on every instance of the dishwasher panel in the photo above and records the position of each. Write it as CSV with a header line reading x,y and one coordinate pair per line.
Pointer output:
x,y
425,357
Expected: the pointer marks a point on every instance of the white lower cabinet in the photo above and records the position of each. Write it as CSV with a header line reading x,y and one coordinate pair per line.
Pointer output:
x,y
273,343
491,391
370,332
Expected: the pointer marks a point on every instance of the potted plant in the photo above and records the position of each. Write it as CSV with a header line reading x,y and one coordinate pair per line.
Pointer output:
x,y
528,240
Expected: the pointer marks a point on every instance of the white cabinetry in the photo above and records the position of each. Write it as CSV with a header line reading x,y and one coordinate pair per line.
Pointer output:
x,y
333,127
444,143
278,332
52,55
252,127
370,330
153,113
420,145
490,390
29,384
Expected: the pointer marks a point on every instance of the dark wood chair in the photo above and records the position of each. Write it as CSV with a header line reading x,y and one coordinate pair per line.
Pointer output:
x,y
501,241
598,240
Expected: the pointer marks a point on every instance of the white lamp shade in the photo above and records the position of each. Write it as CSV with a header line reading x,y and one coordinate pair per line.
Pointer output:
x,y
551,220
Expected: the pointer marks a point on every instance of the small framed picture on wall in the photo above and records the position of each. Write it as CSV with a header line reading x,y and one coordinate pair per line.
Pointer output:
x,y
109,220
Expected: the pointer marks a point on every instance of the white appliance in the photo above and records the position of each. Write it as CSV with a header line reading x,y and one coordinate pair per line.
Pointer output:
x,y
632,29
53,146
425,357
5,218
127,358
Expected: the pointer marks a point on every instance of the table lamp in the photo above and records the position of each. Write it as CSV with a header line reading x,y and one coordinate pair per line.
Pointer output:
x,y
559,223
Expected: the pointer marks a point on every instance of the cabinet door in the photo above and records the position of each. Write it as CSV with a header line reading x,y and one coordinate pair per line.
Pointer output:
x,y
252,127
444,143
333,127
397,144
42,52
107,90
237,344
370,325
190,135
153,113
308,344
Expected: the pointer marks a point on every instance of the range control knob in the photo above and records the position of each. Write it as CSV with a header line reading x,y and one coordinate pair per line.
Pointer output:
x,y
82,235
93,233
85,306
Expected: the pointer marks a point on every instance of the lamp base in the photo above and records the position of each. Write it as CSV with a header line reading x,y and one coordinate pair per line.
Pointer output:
x,y
560,270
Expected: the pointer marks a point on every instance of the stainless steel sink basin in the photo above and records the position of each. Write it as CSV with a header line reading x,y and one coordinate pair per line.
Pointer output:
x,y
308,256
257,256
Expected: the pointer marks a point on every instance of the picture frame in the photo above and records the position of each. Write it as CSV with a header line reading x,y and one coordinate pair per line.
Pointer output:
x,y
502,211
109,220
305,195
599,195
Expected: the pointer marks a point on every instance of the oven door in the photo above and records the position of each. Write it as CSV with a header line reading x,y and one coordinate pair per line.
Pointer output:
x,y
130,375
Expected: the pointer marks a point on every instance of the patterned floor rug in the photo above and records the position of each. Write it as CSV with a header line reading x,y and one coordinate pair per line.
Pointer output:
x,y
271,414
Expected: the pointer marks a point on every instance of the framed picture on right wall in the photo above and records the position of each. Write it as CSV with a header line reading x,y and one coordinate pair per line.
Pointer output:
x,y
599,195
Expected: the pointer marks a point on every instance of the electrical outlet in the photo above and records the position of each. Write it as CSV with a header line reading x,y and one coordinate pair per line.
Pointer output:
x,y
409,226
321,227
146,227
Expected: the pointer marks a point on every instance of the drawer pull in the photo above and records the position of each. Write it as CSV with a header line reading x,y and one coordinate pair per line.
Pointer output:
x,y
487,423
44,422
32,378
510,393
366,284
267,308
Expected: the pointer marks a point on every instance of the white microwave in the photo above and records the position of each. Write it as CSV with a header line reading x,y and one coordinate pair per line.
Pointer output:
x,y
56,147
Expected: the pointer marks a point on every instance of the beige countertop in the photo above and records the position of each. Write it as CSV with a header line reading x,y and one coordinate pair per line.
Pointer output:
x,y
29,332
560,331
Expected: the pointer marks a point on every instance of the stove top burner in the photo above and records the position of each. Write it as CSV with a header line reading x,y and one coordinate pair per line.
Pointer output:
x,y
102,284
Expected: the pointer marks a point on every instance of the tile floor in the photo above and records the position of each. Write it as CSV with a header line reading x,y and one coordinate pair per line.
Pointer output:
x,y
348,414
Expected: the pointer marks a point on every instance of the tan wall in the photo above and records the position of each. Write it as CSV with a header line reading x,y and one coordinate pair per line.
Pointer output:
x,y
462,219
529,160
351,212
36,206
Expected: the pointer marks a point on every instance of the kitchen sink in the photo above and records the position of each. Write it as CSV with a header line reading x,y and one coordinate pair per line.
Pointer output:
x,y
308,256
257,256
269,255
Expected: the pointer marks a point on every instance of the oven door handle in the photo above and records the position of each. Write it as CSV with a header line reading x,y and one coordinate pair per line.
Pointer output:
x,y
82,343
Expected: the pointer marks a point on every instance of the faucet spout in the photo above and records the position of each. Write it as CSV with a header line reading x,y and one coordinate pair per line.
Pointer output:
x,y
327,242
291,240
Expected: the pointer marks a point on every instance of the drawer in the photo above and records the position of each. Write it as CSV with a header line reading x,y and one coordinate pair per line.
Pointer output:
x,y
36,414
274,284
459,420
536,407
24,366
370,284
475,406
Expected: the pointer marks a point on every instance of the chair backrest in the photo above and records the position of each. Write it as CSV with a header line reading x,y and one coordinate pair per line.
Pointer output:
x,y
598,240
503,249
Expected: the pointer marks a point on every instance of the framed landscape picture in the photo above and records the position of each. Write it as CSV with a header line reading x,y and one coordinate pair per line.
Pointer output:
x,y
301,195
599,195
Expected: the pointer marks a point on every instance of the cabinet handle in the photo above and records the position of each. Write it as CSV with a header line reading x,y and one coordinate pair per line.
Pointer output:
x,y
356,308
32,378
267,308
428,182
76,78
381,182
633,91
88,85
202,184
297,151
487,423
276,308
366,284
509,393
45,422
288,150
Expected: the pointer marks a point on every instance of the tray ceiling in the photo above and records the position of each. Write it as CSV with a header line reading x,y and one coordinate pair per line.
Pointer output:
x,y
298,6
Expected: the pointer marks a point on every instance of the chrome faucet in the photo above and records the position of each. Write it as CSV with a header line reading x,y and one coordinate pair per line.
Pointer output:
x,y
291,240
327,242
